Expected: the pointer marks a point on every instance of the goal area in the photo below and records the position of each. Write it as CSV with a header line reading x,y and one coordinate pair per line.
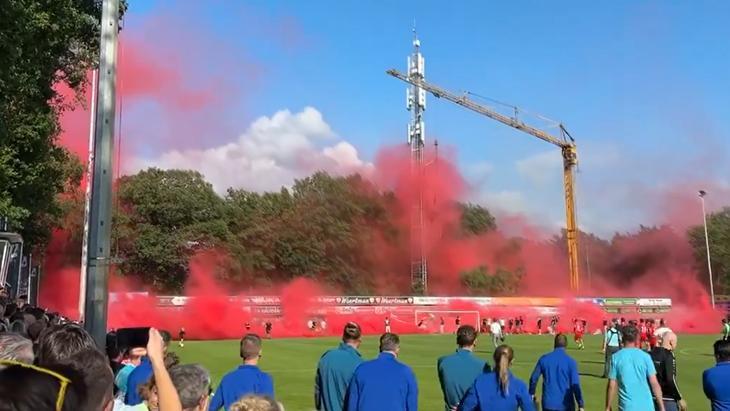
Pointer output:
x,y
430,320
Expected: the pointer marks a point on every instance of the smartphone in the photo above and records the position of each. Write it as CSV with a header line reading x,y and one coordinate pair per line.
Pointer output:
x,y
135,337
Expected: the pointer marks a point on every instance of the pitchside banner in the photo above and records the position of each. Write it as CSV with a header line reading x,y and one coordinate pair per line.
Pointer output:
x,y
607,303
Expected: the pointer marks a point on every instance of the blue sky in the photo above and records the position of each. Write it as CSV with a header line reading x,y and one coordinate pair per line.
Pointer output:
x,y
643,87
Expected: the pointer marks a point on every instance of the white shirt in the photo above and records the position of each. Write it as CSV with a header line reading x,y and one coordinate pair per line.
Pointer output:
x,y
495,328
661,331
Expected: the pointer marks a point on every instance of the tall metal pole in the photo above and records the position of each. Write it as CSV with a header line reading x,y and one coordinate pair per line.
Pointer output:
x,y
416,102
87,196
100,211
703,193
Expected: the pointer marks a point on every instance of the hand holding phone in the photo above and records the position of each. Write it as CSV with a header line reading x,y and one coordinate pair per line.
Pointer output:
x,y
155,346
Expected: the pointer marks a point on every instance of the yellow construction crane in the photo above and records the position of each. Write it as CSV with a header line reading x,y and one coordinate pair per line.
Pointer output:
x,y
565,142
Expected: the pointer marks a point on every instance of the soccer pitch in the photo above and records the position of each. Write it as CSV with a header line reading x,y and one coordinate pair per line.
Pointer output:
x,y
292,363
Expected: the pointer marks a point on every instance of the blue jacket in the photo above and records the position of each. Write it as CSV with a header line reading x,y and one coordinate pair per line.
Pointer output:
x,y
383,384
334,372
485,395
139,375
716,384
560,381
457,373
244,380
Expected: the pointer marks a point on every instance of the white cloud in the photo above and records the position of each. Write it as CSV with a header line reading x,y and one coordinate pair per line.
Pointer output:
x,y
271,153
503,202
541,168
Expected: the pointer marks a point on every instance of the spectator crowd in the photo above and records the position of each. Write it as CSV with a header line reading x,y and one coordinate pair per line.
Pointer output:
x,y
49,363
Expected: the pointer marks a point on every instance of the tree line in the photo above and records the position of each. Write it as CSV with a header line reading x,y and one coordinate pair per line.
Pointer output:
x,y
324,227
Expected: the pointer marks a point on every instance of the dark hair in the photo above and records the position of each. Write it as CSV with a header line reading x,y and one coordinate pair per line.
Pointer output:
x,y
27,389
98,378
722,350
59,343
250,346
17,326
630,334
171,359
112,348
503,356
465,336
35,329
561,341
166,336
389,342
351,332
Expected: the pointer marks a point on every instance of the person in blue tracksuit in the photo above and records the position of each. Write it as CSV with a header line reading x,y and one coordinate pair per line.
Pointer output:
x,y
335,370
383,384
716,380
498,390
560,380
141,374
458,371
244,380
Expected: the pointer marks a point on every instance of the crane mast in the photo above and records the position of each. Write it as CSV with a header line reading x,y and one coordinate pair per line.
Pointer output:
x,y
416,104
565,142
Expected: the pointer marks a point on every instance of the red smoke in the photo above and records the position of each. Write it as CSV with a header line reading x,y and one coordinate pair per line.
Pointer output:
x,y
653,263
187,106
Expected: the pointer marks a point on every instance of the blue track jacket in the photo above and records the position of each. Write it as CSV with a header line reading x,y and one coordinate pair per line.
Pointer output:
x,y
141,374
457,373
383,384
485,395
244,380
334,372
560,381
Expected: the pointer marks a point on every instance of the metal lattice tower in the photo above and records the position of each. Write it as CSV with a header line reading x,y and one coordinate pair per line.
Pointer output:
x,y
416,104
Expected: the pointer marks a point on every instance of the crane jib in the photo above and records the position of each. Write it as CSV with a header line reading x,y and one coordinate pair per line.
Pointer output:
x,y
567,145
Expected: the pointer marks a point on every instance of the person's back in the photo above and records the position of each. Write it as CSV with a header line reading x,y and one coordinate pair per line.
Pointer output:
x,y
611,345
498,390
632,369
383,384
458,371
560,380
244,380
335,370
716,380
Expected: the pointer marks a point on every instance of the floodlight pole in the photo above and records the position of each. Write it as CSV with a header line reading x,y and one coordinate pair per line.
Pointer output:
x,y
100,210
702,194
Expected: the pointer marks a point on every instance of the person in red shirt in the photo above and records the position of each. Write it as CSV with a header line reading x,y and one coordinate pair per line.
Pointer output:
x,y
578,331
650,332
644,335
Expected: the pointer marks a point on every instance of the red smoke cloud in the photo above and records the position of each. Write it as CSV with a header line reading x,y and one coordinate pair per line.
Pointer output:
x,y
654,263
187,101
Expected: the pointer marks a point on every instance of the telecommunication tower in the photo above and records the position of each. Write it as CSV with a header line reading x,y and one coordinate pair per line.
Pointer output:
x,y
416,104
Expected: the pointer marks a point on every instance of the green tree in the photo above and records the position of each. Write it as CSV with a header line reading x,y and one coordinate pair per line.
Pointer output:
x,y
480,281
42,43
319,229
718,230
476,220
164,216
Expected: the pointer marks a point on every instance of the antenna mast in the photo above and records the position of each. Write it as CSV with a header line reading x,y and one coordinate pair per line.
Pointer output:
x,y
416,104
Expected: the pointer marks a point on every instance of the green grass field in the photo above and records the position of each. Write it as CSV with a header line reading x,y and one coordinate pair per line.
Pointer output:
x,y
292,363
